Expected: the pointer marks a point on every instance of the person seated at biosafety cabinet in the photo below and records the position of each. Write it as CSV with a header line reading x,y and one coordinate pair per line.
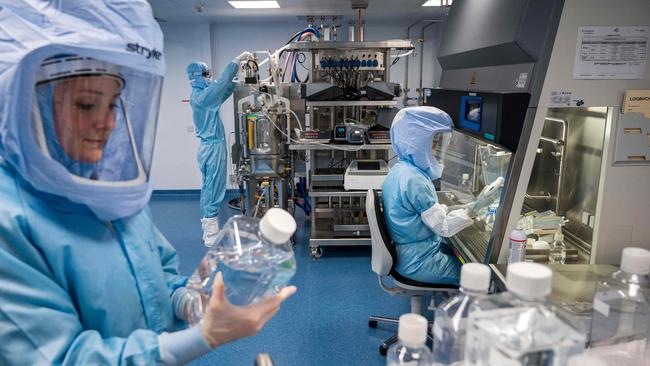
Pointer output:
x,y
416,221
86,277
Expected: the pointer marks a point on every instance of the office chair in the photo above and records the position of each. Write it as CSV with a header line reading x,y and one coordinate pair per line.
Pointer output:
x,y
384,258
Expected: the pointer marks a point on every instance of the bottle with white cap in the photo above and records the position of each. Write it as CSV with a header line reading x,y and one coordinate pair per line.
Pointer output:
x,y
449,326
465,189
521,327
254,256
517,250
411,348
621,312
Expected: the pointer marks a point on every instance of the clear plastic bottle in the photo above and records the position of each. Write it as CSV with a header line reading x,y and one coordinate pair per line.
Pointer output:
x,y
450,321
465,189
254,256
621,316
518,239
411,348
557,252
521,327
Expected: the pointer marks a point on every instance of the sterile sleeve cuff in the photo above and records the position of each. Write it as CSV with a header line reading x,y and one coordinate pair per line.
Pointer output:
x,y
179,299
444,223
183,346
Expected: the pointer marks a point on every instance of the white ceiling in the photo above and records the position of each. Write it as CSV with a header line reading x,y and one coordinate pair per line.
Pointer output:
x,y
221,11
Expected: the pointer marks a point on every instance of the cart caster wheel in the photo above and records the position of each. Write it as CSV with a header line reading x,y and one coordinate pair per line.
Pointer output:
x,y
383,350
372,323
316,252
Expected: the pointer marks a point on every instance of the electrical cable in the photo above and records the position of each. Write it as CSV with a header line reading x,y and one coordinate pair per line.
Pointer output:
x,y
259,200
402,54
289,109
301,63
294,72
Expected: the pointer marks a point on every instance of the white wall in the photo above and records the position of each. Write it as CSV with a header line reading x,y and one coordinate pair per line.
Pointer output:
x,y
175,164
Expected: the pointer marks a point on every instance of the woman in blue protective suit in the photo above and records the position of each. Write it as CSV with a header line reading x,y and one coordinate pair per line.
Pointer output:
x,y
206,100
86,276
416,221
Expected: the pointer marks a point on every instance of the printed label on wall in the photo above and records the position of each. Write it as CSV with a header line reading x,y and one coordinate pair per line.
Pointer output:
x,y
611,52
521,80
564,98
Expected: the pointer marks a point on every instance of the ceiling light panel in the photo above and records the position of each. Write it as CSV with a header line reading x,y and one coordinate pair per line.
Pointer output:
x,y
255,4
438,3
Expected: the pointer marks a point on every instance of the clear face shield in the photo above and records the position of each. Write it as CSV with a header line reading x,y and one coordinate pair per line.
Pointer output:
x,y
207,74
440,145
97,119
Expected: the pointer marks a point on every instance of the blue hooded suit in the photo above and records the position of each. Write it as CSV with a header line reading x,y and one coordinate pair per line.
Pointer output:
x,y
87,278
408,192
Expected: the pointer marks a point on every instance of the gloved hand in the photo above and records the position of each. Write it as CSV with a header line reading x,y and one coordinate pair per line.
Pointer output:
x,y
489,193
245,56
224,322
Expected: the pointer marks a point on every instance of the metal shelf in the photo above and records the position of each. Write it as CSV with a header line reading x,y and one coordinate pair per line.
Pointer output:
x,y
361,68
340,242
352,103
335,193
308,146
396,44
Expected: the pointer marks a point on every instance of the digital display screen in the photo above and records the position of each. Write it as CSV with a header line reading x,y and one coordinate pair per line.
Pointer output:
x,y
339,132
368,165
473,110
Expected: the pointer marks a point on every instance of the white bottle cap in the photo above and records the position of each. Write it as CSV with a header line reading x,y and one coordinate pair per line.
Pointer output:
x,y
277,226
635,260
412,329
529,280
475,277
585,360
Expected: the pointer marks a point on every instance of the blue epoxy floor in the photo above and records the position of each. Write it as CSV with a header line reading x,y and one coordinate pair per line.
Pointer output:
x,y
325,323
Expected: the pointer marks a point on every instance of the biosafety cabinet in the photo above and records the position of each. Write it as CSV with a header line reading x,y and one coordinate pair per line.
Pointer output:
x,y
539,99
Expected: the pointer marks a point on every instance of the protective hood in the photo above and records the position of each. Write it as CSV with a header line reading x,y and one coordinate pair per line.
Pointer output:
x,y
412,135
199,75
119,33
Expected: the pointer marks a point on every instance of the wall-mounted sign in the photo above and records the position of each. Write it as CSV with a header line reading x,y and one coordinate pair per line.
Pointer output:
x,y
611,52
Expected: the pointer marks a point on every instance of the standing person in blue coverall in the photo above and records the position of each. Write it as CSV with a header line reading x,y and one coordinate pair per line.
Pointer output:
x,y
86,277
206,100
416,221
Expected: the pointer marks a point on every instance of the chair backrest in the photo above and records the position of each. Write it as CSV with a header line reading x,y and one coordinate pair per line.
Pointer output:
x,y
383,252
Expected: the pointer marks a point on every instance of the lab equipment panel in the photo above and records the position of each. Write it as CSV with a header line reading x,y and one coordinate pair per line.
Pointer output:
x,y
350,59
494,117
